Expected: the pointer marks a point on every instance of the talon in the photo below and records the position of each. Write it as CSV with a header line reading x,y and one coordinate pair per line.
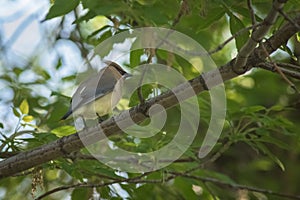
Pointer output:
x,y
99,118
143,108
102,118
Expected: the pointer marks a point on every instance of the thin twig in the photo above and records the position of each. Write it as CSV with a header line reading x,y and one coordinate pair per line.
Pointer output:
x,y
209,190
288,19
221,46
218,154
278,69
289,65
218,48
184,9
128,159
213,158
79,42
252,13
270,67
139,90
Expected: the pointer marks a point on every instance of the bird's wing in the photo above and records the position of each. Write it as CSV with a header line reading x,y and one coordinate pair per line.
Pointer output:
x,y
93,88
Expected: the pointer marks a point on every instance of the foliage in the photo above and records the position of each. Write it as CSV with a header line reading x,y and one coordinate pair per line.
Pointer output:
x,y
259,145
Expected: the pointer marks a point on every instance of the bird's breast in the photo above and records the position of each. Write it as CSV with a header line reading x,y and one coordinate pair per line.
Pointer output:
x,y
102,106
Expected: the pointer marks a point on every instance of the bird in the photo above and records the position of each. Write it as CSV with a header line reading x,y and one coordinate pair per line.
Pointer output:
x,y
99,93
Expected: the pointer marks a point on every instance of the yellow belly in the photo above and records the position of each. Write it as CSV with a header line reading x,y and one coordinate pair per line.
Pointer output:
x,y
102,106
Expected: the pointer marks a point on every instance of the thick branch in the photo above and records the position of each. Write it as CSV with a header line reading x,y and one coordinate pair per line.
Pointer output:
x,y
257,36
68,144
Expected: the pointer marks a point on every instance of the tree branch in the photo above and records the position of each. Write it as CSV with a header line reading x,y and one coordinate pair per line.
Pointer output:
x,y
71,143
257,36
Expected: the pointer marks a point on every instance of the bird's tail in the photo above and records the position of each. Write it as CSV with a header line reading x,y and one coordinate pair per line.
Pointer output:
x,y
69,112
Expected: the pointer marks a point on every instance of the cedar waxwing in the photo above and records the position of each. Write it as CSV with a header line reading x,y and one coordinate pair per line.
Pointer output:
x,y
99,94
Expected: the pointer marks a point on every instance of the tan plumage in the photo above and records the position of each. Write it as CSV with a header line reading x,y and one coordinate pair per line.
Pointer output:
x,y
93,96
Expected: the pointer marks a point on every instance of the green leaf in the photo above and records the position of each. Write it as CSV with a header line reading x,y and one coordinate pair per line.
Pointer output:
x,y
105,35
104,49
135,57
1,125
104,171
146,91
89,15
61,7
28,118
105,7
24,107
252,109
146,2
157,14
236,25
81,193
216,174
276,108
99,30
72,169
64,131
212,16
42,72
58,64
260,196
265,150
185,187
17,71
16,112
273,140
69,78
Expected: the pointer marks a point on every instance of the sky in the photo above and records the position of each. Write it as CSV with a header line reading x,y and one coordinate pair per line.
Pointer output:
x,y
20,30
